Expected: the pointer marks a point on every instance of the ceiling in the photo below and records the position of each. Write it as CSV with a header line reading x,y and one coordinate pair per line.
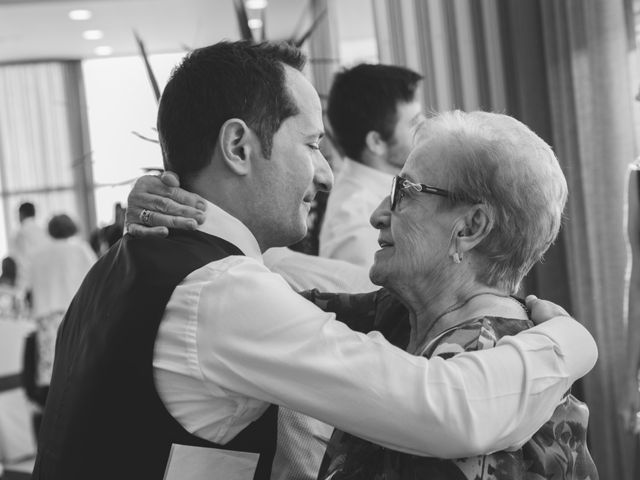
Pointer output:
x,y
42,30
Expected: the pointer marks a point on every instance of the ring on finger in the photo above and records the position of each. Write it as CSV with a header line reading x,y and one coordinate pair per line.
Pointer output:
x,y
145,217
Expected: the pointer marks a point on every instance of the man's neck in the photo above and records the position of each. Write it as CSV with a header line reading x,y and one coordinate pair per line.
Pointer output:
x,y
378,163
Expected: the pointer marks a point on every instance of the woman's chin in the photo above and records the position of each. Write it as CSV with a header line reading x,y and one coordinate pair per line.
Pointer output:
x,y
377,273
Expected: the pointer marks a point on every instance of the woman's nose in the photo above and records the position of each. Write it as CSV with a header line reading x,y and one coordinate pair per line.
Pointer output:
x,y
380,216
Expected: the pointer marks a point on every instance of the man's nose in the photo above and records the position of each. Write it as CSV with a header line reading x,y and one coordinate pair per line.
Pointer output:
x,y
323,177
381,215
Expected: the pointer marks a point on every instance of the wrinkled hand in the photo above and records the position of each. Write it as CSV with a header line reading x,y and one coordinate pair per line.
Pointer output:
x,y
168,204
543,310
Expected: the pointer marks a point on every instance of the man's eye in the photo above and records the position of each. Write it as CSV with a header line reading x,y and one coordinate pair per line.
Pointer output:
x,y
314,146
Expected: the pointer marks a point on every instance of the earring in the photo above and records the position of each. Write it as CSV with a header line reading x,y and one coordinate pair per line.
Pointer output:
x,y
457,257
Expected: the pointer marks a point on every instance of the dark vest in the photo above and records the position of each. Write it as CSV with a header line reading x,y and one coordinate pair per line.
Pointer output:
x,y
103,418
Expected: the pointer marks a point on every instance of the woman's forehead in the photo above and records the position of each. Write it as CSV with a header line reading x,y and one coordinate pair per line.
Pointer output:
x,y
426,160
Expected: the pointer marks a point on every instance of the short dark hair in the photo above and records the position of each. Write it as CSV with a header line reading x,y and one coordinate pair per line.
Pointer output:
x,y
61,226
365,98
26,210
219,82
9,270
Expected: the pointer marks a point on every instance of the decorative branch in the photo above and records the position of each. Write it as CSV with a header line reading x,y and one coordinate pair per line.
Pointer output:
x,y
150,74
143,137
305,36
243,20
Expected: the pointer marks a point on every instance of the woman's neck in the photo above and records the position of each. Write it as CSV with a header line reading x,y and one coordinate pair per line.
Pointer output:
x,y
442,310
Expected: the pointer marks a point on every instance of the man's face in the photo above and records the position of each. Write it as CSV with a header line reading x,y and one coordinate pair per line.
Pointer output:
x,y
288,181
401,143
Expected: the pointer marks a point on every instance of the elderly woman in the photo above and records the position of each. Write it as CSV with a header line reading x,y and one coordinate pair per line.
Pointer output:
x,y
477,204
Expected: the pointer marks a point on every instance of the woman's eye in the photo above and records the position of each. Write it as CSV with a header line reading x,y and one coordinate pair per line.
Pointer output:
x,y
314,146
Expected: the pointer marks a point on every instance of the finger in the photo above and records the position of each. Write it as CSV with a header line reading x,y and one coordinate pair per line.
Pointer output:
x,y
164,205
148,184
141,231
170,179
530,301
157,219
152,185
170,207
189,199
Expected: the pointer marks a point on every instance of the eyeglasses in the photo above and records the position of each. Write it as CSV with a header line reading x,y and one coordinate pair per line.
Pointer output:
x,y
399,184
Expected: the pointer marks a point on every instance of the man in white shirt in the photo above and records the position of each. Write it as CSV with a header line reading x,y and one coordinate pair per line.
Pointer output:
x,y
29,238
372,110
224,338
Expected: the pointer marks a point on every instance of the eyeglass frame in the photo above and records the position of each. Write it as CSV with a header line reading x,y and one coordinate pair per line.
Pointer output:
x,y
399,183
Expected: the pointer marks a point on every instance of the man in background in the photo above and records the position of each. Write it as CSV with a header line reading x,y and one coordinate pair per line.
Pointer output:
x,y
372,111
29,238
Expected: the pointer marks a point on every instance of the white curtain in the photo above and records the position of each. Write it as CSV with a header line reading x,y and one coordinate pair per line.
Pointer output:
x,y
44,153
562,67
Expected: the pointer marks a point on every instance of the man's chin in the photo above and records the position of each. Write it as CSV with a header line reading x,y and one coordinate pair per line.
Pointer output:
x,y
294,236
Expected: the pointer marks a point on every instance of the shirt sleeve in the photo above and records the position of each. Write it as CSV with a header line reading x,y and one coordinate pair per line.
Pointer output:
x,y
258,338
305,272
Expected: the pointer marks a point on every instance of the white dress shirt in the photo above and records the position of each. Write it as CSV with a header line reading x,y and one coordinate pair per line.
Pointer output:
x,y
302,440
29,239
236,337
304,272
346,233
57,270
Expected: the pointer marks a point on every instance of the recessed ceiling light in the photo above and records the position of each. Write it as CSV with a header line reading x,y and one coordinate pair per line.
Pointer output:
x,y
80,14
255,23
92,34
103,50
255,4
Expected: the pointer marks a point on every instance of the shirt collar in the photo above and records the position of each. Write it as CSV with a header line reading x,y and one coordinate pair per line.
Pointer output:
x,y
223,225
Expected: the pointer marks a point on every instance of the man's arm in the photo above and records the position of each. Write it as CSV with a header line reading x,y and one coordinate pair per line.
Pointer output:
x,y
474,403
285,350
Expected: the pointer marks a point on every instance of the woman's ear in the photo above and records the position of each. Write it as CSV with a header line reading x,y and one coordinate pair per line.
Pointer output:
x,y
236,142
472,228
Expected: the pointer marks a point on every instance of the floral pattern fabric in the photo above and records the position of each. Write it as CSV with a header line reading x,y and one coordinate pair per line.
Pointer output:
x,y
558,451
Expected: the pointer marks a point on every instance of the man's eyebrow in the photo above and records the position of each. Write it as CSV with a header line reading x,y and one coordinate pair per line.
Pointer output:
x,y
316,135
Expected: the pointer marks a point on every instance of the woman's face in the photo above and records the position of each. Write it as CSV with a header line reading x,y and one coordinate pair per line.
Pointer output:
x,y
415,237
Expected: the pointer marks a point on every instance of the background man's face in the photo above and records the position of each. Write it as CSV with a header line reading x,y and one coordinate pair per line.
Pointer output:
x,y
401,142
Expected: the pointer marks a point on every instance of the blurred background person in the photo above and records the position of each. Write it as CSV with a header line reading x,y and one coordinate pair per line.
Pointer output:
x,y
11,299
27,240
57,270
372,110
102,239
631,401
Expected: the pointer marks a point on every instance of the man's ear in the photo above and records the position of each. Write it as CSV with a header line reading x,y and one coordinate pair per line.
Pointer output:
x,y
471,228
237,141
374,142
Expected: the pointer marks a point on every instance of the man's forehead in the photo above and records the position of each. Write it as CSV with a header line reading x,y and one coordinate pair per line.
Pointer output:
x,y
306,99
